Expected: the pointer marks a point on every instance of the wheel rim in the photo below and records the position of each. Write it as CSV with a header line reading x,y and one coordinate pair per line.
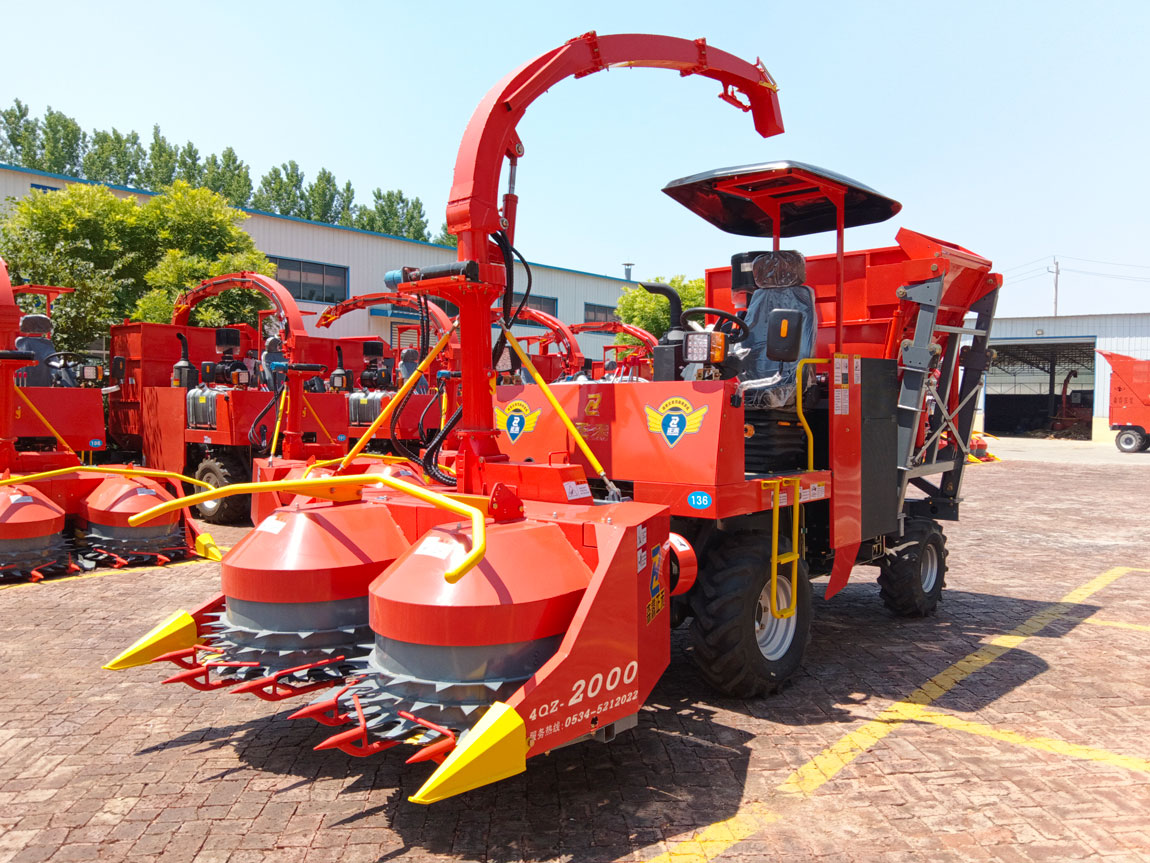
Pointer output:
x,y
774,636
1128,440
928,566
208,508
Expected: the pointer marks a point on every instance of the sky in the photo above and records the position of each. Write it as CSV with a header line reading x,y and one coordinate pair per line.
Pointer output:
x,y
1018,130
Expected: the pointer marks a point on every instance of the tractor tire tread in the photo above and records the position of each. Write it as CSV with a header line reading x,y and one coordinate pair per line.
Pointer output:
x,y
231,470
899,580
722,640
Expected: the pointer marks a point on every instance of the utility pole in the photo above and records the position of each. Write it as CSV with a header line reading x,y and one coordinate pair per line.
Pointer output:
x,y
1055,271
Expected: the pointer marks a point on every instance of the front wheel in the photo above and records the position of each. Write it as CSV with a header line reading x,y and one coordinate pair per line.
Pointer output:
x,y
1130,440
912,576
739,647
219,471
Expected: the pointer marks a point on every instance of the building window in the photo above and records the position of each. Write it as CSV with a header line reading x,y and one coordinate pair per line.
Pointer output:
x,y
550,305
39,187
310,282
596,313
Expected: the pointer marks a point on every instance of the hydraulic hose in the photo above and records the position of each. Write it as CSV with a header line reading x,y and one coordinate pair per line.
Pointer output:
x,y
261,442
439,391
430,461
400,447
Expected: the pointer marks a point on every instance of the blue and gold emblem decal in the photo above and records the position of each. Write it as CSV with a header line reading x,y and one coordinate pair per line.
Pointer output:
x,y
517,419
674,418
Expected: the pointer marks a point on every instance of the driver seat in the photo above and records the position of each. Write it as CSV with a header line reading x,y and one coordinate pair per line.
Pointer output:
x,y
770,388
273,353
36,337
779,277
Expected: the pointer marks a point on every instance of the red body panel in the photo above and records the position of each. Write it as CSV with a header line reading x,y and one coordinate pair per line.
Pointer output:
x,y
1129,391
76,413
335,552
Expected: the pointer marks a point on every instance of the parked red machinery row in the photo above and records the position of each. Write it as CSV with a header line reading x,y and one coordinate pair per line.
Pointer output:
x,y
512,590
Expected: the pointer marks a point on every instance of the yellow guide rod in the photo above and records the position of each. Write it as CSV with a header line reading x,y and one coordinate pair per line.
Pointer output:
x,y
326,487
118,471
279,419
574,432
389,408
42,419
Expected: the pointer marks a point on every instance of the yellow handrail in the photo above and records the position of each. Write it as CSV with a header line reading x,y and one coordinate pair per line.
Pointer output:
x,y
574,432
117,471
318,421
279,418
42,419
792,556
329,483
799,407
393,403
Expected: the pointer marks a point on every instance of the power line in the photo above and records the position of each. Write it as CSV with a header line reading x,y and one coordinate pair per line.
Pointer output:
x,y
1110,275
1108,263
1027,279
1027,264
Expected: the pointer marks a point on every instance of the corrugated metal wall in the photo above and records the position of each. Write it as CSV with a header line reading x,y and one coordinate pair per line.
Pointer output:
x,y
1123,334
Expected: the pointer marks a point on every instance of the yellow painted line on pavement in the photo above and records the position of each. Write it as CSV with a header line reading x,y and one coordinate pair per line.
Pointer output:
x,y
827,764
916,713
1117,624
714,839
710,842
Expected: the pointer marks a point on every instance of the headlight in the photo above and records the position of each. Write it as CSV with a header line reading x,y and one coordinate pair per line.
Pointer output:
x,y
91,373
697,347
706,347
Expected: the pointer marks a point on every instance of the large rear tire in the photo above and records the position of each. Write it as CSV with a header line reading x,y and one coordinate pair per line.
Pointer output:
x,y
912,578
738,647
1130,440
217,471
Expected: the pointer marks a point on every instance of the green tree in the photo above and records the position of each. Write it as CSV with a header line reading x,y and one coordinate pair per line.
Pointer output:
x,y
19,136
64,144
445,238
345,206
281,191
115,158
321,198
129,258
229,176
160,169
79,318
188,165
393,213
651,311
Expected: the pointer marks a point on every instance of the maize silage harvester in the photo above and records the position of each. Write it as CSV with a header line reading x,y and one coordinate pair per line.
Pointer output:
x,y
59,511
514,590
211,401
1129,401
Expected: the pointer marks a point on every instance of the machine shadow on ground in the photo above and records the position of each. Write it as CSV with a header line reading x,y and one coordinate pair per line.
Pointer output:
x,y
591,801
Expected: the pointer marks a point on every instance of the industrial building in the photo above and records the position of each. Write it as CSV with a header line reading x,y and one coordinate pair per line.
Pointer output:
x,y
321,264
1040,357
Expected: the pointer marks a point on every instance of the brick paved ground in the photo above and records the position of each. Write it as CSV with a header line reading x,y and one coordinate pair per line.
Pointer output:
x,y
102,766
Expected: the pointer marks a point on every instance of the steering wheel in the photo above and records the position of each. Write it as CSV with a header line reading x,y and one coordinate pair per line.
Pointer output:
x,y
65,360
740,330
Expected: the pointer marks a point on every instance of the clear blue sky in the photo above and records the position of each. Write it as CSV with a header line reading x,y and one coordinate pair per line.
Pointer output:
x,y
1018,130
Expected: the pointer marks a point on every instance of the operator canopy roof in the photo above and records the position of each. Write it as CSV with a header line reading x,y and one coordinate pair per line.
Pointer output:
x,y
748,199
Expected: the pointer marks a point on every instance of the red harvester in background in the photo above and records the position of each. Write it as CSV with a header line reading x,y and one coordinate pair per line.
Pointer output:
x,y
206,401
58,513
1129,401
